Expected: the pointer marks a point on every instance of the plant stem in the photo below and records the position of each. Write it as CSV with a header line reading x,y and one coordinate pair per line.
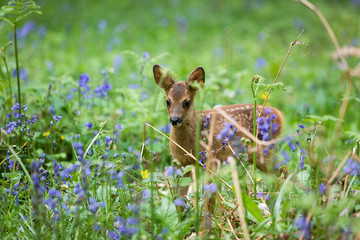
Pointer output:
x,y
9,80
17,65
197,167
255,135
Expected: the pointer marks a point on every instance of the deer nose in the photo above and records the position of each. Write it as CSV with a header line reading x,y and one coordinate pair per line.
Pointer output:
x,y
175,121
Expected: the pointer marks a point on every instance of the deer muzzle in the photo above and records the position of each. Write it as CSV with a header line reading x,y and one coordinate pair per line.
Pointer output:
x,y
175,121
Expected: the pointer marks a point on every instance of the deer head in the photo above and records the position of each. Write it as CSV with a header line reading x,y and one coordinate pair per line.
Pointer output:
x,y
179,95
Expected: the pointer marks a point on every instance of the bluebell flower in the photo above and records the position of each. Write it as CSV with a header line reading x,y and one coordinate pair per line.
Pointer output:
x,y
144,95
26,29
286,157
42,31
93,205
351,167
210,188
303,226
168,128
10,127
266,151
89,125
81,192
133,208
132,221
260,63
134,86
225,132
96,227
262,195
84,79
182,23
113,235
119,176
34,119
118,61
102,24
322,188
170,171
57,167
179,172
50,67
102,90
301,161
146,55
124,156
15,107
79,148
292,146
146,194
57,118
107,141
23,74
179,202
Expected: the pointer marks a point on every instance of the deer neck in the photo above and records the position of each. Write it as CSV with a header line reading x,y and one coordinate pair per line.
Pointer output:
x,y
185,136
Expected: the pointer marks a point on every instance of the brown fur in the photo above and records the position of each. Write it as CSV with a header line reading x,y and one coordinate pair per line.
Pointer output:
x,y
185,133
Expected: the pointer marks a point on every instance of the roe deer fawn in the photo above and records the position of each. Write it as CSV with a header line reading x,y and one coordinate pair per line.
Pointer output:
x,y
180,98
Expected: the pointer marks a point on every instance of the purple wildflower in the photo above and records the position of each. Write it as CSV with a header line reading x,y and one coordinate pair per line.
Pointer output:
x,y
118,61
83,83
260,63
146,194
26,29
179,202
146,55
301,161
107,141
322,188
89,125
303,225
169,171
16,107
352,167
210,188
94,206
113,235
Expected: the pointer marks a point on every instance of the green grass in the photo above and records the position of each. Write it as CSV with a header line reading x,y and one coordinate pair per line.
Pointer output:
x,y
226,38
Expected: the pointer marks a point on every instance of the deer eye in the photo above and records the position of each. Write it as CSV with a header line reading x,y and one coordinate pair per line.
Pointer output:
x,y
186,104
168,103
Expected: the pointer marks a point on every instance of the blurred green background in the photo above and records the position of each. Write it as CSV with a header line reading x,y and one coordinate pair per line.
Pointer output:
x,y
232,40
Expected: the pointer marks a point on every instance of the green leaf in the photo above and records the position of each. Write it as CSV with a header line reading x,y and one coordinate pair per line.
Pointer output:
x,y
277,207
303,177
16,10
167,212
321,119
185,181
102,190
252,207
353,135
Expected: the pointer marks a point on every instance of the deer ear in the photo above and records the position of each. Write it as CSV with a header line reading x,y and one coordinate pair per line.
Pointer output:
x,y
197,75
162,78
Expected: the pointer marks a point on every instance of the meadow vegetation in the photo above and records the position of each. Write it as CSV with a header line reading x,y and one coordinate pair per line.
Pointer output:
x,y
82,150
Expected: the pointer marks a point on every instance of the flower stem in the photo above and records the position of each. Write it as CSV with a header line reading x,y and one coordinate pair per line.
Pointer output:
x,y
8,77
17,64
254,133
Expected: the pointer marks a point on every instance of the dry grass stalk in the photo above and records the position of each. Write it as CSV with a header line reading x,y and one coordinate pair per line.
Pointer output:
x,y
241,208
